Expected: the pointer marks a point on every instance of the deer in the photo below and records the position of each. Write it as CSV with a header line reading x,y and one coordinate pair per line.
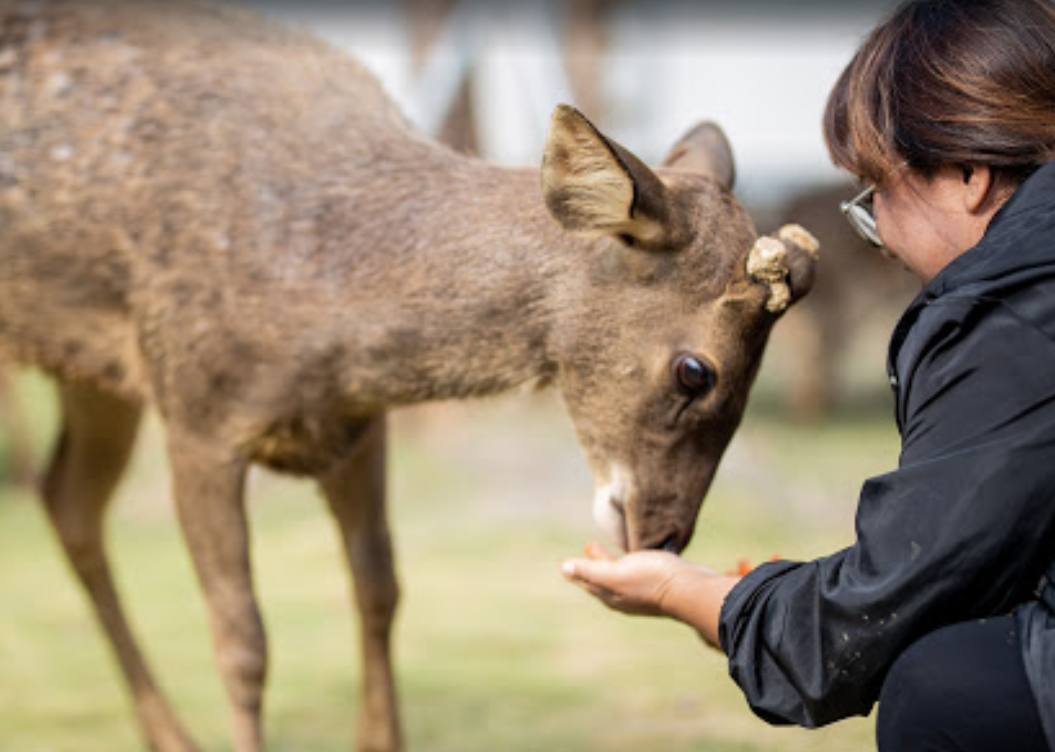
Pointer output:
x,y
17,470
230,223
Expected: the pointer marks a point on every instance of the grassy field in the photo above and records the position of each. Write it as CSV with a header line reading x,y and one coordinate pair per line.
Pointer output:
x,y
495,651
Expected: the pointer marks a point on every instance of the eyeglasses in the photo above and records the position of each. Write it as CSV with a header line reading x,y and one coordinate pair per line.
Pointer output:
x,y
858,212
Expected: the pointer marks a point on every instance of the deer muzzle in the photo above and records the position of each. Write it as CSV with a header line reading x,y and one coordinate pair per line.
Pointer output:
x,y
609,506
634,519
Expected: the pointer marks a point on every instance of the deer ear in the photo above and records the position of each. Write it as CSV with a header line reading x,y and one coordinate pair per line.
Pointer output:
x,y
705,149
594,186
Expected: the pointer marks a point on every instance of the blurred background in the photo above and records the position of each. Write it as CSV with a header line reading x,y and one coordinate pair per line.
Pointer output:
x,y
494,650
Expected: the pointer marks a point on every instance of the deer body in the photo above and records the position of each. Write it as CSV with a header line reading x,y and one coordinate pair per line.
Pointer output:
x,y
135,205
230,222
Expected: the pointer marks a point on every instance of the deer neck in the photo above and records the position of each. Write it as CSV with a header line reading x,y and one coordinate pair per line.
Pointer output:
x,y
456,294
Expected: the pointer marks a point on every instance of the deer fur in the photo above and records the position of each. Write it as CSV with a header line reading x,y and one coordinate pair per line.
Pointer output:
x,y
229,222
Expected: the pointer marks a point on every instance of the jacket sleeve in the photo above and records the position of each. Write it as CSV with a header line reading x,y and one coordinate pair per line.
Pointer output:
x,y
958,531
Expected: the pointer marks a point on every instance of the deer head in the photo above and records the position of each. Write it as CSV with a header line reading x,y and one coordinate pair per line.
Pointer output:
x,y
657,385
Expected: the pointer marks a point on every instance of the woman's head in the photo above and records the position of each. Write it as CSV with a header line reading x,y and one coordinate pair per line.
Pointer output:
x,y
949,83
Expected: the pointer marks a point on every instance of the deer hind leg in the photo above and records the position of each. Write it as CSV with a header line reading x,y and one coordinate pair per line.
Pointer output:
x,y
209,488
97,436
355,491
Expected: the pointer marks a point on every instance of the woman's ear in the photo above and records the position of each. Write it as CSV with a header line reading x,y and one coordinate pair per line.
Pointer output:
x,y
978,188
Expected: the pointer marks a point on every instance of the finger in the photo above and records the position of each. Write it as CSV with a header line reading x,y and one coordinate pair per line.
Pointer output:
x,y
574,569
598,592
576,576
583,571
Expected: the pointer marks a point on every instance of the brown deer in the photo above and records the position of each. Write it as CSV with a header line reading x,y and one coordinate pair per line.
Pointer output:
x,y
230,222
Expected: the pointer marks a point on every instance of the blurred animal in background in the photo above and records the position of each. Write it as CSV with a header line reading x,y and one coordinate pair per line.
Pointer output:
x,y
849,315
204,213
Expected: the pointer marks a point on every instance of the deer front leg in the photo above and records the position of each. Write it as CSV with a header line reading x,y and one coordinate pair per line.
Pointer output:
x,y
209,490
97,436
15,425
355,491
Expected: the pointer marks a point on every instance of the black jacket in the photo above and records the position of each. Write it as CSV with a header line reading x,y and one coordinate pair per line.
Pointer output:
x,y
965,527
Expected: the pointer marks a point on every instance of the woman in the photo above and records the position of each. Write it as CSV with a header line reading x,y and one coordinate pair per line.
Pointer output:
x,y
943,609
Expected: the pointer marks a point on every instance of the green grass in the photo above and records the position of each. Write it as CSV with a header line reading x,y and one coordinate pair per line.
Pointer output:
x,y
494,650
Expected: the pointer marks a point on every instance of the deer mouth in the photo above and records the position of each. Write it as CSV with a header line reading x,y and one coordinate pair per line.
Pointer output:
x,y
609,507
671,544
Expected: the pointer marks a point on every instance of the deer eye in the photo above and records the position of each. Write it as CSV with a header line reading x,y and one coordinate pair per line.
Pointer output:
x,y
693,376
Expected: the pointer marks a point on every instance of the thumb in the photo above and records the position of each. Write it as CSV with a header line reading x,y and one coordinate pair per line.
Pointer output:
x,y
579,568
588,572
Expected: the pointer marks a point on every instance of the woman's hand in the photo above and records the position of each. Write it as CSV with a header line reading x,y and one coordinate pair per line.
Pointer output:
x,y
653,583
637,583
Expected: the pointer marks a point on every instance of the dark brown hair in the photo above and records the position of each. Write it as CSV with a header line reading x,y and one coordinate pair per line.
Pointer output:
x,y
949,82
